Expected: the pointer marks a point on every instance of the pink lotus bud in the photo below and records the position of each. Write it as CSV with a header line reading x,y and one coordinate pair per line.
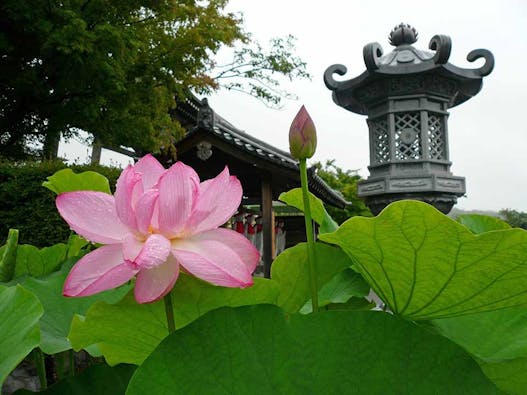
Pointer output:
x,y
302,136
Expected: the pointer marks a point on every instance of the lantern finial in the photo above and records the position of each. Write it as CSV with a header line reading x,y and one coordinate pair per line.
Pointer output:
x,y
401,34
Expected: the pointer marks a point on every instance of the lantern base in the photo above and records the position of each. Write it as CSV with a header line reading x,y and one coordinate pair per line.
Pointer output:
x,y
443,202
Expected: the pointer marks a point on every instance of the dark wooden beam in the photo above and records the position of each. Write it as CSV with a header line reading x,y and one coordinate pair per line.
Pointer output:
x,y
268,226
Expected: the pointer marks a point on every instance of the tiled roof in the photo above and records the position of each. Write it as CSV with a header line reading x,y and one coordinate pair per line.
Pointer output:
x,y
203,117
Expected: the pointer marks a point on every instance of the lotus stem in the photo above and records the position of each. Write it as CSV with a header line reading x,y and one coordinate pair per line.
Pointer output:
x,y
309,235
169,312
41,368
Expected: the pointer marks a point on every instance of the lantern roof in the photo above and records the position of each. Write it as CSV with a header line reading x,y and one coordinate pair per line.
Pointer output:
x,y
408,70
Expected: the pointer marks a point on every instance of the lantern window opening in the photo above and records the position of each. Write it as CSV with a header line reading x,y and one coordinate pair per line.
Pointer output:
x,y
380,137
436,137
408,136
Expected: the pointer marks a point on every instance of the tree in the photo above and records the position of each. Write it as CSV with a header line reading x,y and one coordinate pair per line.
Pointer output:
x,y
344,181
117,68
516,219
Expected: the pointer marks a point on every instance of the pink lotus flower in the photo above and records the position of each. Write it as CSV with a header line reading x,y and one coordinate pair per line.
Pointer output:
x,y
157,221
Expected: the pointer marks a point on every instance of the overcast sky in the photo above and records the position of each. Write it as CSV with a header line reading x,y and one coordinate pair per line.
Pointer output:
x,y
487,134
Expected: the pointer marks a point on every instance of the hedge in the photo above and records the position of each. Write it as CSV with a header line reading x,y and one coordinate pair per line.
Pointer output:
x,y
29,207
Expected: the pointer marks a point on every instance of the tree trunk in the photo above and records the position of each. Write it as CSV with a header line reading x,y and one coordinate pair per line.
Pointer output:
x,y
96,151
51,146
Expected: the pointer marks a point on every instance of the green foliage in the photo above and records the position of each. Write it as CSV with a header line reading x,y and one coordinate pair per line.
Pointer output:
x,y
464,282
516,219
115,69
30,260
20,311
344,181
482,223
260,349
127,332
425,265
29,207
250,67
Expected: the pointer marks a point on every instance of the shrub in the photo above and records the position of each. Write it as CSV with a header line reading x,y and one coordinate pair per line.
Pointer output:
x,y
29,207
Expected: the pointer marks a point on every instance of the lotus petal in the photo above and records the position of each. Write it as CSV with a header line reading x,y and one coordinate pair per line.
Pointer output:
x,y
92,215
213,261
150,170
98,271
178,188
217,201
152,284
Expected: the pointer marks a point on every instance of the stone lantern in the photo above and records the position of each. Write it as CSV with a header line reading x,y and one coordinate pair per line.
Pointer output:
x,y
406,94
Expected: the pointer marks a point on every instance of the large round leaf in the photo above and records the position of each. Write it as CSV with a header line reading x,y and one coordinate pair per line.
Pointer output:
x,y
425,265
291,270
59,310
261,350
20,311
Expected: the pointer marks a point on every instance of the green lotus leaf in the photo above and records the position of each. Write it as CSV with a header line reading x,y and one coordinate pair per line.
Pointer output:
x,y
20,311
290,270
59,310
508,376
318,212
482,223
425,265
356,304
39,262
76,245
492,336
8,256
263,350
66,180
340,289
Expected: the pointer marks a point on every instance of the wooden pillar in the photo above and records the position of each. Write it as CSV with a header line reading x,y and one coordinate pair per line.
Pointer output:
x,y
268,227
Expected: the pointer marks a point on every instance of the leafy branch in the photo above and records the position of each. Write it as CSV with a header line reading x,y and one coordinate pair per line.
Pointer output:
x,y
254,70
